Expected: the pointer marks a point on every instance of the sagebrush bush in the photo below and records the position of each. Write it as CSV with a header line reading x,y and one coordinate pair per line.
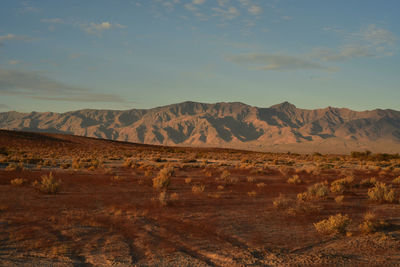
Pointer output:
x,y
368,182
163,179
382,193
227,178
198,188
252,193
339,199
342,185
18,181
372,224
48,184
295,179
335,224
294,207
396,180
315,191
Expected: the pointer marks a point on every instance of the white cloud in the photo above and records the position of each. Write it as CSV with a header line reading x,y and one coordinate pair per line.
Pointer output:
x,y
277,62
255,10
190,7
27,7
97,29
370,41
377,36
226,13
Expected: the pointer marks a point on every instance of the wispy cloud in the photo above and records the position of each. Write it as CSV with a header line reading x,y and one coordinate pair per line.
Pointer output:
x,y
255,10
277,62
229,13
13,37
27,7
370,41
53,20
343,53
99,28
37,86
14,62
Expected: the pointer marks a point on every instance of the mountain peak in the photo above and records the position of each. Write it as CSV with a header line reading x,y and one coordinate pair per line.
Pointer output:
x,y
284,106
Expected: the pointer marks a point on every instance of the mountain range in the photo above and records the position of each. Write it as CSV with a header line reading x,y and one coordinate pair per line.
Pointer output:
x,y
279,128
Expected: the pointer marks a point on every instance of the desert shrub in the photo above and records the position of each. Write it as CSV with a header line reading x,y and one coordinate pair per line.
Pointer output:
x,y
117,178
316,191
261,185
13,167
220,187
396,180
342,185
65,165
163,179
283,202
75,164
335,224
174,197
225,175
372,224
284,170
368,182
227,178
252,194
188,180
382,193
147,173
295,179
251,179
293,207
198,188
18,181
339,199
48,184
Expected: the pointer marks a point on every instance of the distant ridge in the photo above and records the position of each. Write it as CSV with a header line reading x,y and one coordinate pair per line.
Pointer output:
x,y
282,127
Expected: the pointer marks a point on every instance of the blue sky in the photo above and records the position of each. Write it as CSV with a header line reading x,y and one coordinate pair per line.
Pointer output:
x,y
120,54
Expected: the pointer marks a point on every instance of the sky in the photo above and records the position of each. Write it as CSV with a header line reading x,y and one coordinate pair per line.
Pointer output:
x,y
120,54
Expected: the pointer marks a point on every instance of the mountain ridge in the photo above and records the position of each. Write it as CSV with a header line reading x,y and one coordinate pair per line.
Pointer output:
x,y
282,127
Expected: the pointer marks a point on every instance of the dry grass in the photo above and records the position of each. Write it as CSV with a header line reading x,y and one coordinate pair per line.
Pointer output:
x,y
295,179
198,188
382,193
48,184
342,185
163,179
334,225
18,181
372,224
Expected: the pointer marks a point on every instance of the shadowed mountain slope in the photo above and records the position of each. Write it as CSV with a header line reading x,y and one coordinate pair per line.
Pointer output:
x,y
281,127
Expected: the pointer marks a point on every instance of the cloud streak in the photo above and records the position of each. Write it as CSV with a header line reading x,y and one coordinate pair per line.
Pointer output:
x,y
37,86
13,37
98,28
277,62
